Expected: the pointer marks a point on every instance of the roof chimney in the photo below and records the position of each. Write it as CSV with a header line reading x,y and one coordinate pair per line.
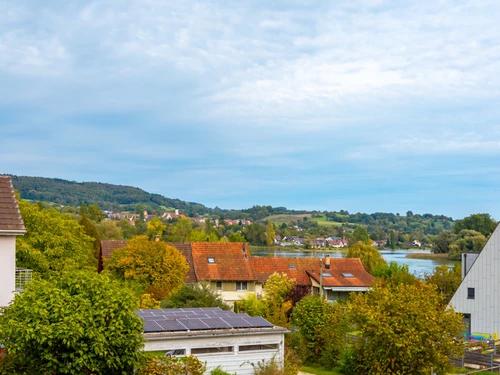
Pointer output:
x,y
327,262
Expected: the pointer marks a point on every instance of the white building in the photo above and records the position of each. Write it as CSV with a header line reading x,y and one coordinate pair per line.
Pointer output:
x,y
218,337
478,296
11,225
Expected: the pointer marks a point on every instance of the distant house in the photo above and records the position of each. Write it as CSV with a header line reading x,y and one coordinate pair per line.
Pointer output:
x,y
226,266
478,296
235,342
11,226
339,277
172,215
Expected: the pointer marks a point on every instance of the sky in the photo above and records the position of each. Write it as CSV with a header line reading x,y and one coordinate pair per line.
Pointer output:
x,y
366,106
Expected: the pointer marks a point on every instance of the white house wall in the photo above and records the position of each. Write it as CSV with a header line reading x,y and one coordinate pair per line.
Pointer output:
x,y
7,269
484,277
235,362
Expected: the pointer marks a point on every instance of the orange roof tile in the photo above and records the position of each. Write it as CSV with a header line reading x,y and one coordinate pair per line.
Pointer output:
x,y
293,267
340,266
11,221
231,261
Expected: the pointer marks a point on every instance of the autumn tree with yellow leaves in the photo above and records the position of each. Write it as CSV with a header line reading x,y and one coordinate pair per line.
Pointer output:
x,y
151,266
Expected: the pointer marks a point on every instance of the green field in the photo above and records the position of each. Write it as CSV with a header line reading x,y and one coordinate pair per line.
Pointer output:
x,y
284,218
323,221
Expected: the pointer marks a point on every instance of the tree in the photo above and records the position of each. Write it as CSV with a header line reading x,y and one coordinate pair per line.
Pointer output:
x,y
482,223
75,323
153,266
109,230
405,330
181,231
83,209
270,233
394,273
237,237
443,241
466,241
361,234
95,213
255,234
128,230
90,230
52,242
369,255
156,228
446,279
195,296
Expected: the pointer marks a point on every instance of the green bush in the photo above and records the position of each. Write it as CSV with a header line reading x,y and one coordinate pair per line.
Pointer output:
x,y
219,371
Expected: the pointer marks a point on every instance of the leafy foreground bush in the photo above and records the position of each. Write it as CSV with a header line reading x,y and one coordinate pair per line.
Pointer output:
x,y
292,365
219,371
172,366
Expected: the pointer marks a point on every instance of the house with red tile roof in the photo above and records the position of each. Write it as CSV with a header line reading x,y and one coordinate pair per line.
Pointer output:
x,y
11,226
338,277
226,266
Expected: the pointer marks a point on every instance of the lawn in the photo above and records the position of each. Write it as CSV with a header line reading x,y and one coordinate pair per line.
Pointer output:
x,y
323,221
283,218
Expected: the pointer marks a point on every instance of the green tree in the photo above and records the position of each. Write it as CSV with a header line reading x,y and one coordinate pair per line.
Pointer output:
x,y
199,295
405,330
443,241
369,255
255,234
109,230
361,234
153,266
52,242
75,323
237,237
270,233
446,279
90,230
482,223
83,209
466,241
182,230
95,213
394,273
128,230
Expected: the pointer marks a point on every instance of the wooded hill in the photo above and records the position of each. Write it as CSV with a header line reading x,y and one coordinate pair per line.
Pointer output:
x,y
120,198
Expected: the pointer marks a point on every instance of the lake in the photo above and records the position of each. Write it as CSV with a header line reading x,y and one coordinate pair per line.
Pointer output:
x,y
416,266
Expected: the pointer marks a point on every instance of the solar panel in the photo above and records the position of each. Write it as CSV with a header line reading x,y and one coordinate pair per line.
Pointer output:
x,y
193,324
151,326
257,321
216,323
238,322
172,325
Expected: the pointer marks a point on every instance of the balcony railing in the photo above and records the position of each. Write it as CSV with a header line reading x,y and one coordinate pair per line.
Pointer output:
x,y
23,277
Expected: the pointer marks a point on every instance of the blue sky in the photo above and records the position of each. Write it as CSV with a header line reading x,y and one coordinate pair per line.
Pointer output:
x,y
358,105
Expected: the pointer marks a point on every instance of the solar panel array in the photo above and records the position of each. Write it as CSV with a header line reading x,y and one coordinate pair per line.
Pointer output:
x,y
197,319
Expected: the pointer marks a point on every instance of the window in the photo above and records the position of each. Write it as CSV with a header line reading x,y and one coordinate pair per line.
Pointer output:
x,y
172,352
348,275
292,265
241,285
246,348
216,350
326,274
470,293
211,260
218,285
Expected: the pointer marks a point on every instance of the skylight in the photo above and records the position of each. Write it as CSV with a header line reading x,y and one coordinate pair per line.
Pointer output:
x,y
211,260
347,275
326,274
292,265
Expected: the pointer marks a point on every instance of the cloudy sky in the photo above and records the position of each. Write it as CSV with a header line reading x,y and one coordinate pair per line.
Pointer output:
x,y
359,105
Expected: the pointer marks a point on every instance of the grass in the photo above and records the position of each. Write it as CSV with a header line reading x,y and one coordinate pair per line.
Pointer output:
x,y
284,218
323,221
318,370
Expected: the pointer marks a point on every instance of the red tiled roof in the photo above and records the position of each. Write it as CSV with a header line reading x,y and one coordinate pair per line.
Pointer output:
x,y
292,267
231,261
11,221
185,249
338,266
108,246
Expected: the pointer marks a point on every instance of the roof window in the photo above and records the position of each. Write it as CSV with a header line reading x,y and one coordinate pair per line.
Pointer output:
x,y
211,260
348,275
326,274
292,265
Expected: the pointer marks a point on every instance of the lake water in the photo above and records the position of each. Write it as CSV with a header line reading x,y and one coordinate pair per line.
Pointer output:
x,y
416,266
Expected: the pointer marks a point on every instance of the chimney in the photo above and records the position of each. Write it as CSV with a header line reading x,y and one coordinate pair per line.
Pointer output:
x,y
327,262
176,211
157,238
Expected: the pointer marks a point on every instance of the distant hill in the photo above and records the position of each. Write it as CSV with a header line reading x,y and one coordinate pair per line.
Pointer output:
x,y
107,196
120,198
